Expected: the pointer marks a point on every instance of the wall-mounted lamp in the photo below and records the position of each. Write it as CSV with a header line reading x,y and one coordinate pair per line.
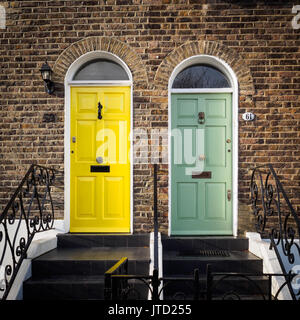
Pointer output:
x,y
46,73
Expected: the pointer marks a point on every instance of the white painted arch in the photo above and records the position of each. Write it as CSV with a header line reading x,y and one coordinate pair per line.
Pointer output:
x,y
222,66
69,82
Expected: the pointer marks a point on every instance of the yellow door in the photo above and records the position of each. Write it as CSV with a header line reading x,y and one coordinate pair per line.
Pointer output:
x,y
100,163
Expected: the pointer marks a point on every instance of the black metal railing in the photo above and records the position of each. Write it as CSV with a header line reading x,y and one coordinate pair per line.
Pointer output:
x,y
30,210
112,289
244,286
155,217
118,285
182,288
276,219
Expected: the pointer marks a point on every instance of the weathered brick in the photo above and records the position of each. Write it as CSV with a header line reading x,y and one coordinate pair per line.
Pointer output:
x,y
152,37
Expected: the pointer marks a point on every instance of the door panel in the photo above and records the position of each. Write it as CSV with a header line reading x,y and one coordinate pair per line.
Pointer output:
x,y
85,130
85,188
100,201
215,210
199,202
187,200
215,147
114,209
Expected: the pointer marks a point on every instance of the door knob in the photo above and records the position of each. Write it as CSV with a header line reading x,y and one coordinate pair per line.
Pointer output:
x,y
99,160
202,157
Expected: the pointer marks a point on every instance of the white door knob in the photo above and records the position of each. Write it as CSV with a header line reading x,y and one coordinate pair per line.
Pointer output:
x,y
99,160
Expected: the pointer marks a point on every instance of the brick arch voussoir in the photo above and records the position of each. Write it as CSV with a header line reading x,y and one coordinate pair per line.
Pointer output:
x,y
111,45
216,49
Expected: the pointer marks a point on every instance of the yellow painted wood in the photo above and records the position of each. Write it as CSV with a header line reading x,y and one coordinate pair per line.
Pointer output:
x,y
100,201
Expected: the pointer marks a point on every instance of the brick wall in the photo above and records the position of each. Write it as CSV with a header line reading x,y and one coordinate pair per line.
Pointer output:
x,y
255,38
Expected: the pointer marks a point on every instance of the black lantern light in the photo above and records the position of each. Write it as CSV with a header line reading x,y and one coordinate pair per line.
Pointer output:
x,y
46,73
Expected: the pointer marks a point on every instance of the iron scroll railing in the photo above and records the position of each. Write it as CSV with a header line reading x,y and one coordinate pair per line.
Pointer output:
x,y
244,286
276,219
217,285
30,210
118,284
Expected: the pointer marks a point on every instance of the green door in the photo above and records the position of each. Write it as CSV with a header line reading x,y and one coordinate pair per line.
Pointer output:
x,y
201,164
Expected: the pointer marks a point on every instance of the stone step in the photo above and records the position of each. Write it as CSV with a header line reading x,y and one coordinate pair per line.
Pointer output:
x,y
205,243
71,240
237,261
94,261
75,288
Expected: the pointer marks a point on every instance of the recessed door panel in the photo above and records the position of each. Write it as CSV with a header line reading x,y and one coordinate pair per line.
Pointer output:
x,y
85,188
215,210
216,108
187,200
86,102
85,140
215,144
114,198
187,109
114,102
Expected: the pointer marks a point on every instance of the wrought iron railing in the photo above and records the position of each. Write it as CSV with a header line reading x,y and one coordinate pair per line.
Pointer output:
x,y
188,287
276,219
30,210
244,286
155,217
216,286
111,290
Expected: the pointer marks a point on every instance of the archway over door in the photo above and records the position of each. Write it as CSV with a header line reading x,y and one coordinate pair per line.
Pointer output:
x,y
221,54
203,127
64,69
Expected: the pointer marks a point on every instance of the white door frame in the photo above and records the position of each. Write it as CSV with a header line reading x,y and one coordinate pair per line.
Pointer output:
x,y
69,82
226,69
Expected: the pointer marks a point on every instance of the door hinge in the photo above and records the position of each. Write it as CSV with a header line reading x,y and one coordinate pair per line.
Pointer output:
x,y
229,195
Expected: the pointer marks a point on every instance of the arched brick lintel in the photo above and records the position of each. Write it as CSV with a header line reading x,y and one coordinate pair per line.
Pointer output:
x,y
189,49
111,45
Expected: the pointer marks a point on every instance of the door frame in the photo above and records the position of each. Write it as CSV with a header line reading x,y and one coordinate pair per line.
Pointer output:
x,y
227,70
89,56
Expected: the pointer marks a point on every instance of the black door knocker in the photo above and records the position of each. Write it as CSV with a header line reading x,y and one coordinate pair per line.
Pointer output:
x,y
99,111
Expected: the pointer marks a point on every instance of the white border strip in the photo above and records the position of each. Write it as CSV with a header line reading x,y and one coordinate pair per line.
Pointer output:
x,y
160,261
204,90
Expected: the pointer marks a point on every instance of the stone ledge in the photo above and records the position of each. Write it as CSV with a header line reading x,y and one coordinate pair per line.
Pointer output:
x,y
42,243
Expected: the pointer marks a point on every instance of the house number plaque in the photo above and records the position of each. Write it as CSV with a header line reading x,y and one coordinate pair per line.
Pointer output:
x,y
248,116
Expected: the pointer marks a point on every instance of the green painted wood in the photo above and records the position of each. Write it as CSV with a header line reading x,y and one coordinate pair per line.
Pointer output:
x,y
201,206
